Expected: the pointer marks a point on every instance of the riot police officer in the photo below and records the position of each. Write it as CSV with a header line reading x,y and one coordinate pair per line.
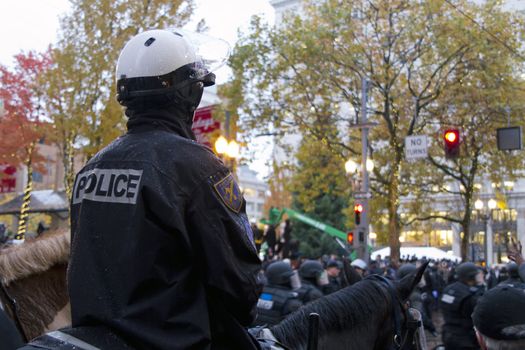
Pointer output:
x,y
278,298
514,276
457,303
313,278
162,252
417,297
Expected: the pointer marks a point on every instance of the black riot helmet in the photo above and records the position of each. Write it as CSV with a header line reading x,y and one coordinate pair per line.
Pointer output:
x,y
310,269
404,270
279,273
513,270
467,271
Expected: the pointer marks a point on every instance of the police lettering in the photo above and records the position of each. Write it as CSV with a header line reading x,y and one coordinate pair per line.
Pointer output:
x,y
108,185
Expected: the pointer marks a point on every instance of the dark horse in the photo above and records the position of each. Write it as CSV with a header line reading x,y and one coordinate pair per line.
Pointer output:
x,y
361,316
368,315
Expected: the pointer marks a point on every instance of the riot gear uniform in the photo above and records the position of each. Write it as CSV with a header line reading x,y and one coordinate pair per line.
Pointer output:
x,y
514,277
308,291
310,272
457,303
162,252
278,298
275,303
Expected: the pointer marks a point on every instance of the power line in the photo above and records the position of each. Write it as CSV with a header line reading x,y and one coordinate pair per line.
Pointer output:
x,y
485,30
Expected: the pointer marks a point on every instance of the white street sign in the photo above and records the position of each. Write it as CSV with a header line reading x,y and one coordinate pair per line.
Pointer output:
x,y
416,147
362,195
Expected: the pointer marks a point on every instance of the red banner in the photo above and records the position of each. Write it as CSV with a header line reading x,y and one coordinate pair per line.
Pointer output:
x,y
7,178
204,125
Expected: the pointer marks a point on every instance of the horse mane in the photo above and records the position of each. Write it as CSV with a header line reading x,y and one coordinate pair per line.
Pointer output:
x,y
34,256
347,308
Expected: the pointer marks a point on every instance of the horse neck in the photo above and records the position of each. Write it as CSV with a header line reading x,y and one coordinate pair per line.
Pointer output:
x,y
365,325
62,319
40,298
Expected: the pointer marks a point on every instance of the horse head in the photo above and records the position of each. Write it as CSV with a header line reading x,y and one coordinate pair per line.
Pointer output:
x,y
33,287
407,284
369,314
406,322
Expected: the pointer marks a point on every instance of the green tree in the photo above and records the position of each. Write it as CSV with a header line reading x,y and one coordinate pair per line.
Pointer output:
x,y
81,86
486,94
23,125
311,67
319,191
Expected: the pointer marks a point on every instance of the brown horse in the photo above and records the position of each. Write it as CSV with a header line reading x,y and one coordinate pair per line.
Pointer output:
x,y
33,288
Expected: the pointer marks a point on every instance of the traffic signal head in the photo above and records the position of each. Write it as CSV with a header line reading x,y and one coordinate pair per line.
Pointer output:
x,y
350,238
451,138
358,209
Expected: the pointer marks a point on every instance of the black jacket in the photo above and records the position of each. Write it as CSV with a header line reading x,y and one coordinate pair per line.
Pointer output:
x,y
457,304
162,251
275,303
308,291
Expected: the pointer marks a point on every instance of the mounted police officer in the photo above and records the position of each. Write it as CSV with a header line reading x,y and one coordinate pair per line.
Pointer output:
x,y
313,278
278,298
162,251
457,303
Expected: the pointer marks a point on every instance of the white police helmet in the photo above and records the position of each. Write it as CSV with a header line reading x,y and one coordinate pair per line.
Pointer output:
x,y
165,62
359,264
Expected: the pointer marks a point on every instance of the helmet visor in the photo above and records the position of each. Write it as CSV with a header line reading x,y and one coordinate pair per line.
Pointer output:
x,y
322,279
295,281
212,53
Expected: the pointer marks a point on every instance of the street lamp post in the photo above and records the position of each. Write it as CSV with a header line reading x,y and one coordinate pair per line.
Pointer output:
x,y
363,189
486,216
228,151
360,187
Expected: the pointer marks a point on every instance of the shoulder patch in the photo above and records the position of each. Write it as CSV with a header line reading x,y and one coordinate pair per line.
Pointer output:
x,y
229,192
447,298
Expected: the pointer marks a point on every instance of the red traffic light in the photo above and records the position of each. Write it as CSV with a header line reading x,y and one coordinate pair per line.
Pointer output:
x,y
452,141
451,136
358,209
350,238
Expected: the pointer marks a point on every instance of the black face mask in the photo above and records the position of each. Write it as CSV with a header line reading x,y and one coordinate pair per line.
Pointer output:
x,y
189,97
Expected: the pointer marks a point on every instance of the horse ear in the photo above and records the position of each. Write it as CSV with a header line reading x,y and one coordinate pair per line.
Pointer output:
x,y
350,274
407,284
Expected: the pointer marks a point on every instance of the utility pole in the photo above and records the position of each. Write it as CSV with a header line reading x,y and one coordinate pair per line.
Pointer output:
x,y
362,193
362,235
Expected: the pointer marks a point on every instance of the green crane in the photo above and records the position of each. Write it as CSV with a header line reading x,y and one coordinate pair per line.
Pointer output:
x,y
276,215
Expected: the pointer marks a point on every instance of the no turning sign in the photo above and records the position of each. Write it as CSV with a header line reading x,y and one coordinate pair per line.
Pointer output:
x,y
416,147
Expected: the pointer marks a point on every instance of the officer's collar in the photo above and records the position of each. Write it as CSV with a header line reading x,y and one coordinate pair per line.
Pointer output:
x,y
169,118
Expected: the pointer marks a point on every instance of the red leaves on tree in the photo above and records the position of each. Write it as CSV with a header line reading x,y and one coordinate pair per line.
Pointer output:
x,y
23,123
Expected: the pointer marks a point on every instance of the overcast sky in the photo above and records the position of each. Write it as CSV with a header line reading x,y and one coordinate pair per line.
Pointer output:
x,y
33,24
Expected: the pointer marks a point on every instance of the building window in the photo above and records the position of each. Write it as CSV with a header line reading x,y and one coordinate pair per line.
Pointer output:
x,y
249,207
259,207
249,192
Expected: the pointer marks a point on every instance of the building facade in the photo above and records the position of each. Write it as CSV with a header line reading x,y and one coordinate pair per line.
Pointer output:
x,y
254,191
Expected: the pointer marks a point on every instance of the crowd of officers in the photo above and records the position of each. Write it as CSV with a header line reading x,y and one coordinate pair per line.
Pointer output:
x,y
447,287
